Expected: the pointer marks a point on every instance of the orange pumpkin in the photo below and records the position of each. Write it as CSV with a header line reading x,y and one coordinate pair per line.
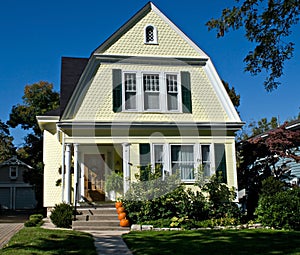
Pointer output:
x,y
118,204
124,223
122,216
120,210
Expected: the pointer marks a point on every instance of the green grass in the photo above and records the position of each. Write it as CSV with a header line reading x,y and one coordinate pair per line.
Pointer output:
x,y
213,242
37,241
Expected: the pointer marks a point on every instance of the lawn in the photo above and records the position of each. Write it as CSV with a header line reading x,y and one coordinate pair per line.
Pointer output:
x,y
45,241
213,242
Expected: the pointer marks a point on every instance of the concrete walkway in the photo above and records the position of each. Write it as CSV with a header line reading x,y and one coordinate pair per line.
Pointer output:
x,y
110,242
106,242
7,230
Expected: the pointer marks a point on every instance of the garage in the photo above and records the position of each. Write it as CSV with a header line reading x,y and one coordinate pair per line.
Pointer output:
x,y
25,198
5,198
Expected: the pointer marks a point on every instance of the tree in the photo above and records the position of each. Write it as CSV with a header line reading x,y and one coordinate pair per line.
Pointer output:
x,y
256,128
7,149
235,98
281,142
257,157
263,126
267,25
38,99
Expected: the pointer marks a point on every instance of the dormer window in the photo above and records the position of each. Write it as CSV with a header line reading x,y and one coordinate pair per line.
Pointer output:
x,y
150,35
13,172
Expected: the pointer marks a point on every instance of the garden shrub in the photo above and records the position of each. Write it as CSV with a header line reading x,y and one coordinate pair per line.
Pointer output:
x,y
220,199
172,202
61,215
35,220
280,210
271,185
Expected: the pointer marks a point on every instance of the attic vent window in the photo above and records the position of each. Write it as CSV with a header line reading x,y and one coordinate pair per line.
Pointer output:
x,y
150,35
13,172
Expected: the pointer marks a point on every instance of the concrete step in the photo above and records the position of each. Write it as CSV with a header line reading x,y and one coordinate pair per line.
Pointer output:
x,y
96,223
96,217
100,228
98,211
101,218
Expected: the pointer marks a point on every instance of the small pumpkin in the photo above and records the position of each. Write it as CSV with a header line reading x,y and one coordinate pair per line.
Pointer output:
x,y
122,216
124,223
120,210
118,204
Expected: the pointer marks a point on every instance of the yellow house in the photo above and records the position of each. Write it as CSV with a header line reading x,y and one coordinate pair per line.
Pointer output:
x,y
147,95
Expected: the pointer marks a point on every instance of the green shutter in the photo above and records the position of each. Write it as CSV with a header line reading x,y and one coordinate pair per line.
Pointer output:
x,y
220,161
117,90
186,92
145,160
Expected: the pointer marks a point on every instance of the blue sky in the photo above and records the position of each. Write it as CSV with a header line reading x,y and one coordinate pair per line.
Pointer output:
x,y
36,34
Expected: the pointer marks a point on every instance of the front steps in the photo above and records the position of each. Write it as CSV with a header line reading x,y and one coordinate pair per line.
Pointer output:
x,y
100,218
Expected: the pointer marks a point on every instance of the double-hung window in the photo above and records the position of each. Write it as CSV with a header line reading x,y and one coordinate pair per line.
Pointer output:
x,y
182,160
158,155
130,91
172,91
151,92
206,160
151,89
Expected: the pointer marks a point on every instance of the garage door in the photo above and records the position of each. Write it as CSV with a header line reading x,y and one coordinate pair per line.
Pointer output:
x,y
25,198
5,197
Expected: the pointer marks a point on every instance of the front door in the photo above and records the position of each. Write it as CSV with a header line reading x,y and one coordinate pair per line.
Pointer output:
x,y
94,172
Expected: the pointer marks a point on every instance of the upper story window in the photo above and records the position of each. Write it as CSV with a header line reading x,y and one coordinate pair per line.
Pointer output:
x,y
150,35
154,92
13,172
149,91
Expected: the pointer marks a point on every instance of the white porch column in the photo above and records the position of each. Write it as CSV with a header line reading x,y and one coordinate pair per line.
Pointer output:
x,y
68,174
63,172
126,166
76,175
81,178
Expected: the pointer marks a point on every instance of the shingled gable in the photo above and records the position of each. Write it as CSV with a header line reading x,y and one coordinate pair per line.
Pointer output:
x,y
136,18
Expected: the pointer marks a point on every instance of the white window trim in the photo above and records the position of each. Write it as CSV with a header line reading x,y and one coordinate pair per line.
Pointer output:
x,y
197,149
10,170
195,159
165,164
124,91
211,160
155,39
140,107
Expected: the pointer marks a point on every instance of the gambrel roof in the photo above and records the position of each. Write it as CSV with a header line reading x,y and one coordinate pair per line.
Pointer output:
x,y
81,77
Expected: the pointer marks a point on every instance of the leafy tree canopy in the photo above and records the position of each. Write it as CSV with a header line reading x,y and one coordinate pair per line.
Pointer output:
x,y
7,149
267,24
38,99
235,98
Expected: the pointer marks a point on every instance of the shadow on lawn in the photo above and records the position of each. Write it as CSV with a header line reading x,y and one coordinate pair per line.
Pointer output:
x,y
52,243
214,242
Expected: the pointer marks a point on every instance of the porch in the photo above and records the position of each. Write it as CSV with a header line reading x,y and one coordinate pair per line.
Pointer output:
x,y
86,169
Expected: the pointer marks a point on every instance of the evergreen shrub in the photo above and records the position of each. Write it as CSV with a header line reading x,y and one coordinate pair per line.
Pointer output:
x,y
61,215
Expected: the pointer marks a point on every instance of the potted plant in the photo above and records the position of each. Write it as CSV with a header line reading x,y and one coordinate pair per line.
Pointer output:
x,y
114,184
